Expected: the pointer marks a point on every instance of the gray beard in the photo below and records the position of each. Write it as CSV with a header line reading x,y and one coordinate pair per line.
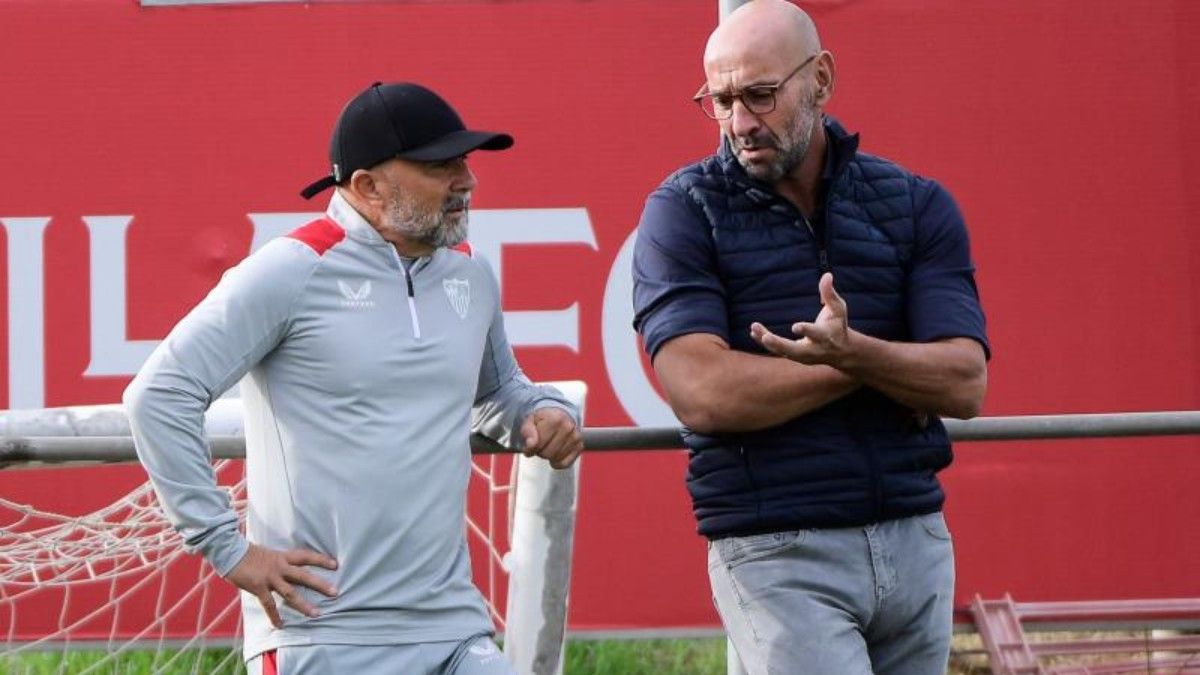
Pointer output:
x,y
431,228
792,147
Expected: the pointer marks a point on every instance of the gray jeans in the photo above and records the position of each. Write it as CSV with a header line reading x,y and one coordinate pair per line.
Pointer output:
x,y
874,599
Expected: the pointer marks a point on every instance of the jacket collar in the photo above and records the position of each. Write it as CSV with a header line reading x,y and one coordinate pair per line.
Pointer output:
x,y
357,228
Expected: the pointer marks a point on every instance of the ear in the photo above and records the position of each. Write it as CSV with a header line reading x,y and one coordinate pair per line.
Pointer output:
x,y
826,74
366,186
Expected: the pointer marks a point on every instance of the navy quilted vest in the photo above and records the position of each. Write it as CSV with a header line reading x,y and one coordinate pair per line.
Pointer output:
x,y
858,460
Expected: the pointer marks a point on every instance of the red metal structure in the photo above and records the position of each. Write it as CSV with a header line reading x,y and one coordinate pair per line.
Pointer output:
x,y
1001,624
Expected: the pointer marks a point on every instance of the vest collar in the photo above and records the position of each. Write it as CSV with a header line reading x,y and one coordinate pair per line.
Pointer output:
x,y
843,146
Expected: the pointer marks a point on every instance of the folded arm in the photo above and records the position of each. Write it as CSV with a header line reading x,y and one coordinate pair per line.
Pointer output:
x,y
713,388
943,377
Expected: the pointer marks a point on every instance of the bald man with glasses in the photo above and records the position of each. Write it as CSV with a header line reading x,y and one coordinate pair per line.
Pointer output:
x,y
811,313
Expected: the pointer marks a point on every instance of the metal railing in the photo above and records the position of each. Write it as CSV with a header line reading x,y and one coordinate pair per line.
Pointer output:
x,y
56,450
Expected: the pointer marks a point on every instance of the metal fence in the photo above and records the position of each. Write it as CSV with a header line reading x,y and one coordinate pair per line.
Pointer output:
x,y
56,450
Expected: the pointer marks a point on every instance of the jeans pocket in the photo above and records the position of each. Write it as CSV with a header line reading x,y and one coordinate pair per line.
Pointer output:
x,y
734,551
935,525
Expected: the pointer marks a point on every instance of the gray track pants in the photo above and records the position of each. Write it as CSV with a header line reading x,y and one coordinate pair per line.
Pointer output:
x,y
475,656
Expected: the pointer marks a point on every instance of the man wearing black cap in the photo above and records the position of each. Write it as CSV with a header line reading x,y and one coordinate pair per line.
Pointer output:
x,y
372,343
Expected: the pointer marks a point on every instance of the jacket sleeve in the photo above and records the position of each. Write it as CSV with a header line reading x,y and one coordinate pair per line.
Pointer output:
x,y
241,320
504,396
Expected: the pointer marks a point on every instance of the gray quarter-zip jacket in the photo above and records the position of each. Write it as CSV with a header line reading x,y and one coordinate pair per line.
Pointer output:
x,y
362,382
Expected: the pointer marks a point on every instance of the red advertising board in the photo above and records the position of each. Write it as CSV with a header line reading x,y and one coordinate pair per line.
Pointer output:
x,y
145,150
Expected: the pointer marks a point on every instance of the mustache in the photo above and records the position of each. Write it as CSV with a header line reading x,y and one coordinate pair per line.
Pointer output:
x,y
756,141
457,202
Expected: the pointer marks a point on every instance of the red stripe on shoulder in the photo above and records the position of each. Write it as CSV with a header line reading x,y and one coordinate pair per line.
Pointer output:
x,y
465,249
320,235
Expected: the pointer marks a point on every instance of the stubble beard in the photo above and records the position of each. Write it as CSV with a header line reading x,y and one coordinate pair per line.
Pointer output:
x,y
436,228
791,148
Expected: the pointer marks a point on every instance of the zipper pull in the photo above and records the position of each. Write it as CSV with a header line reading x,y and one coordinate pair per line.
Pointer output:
x,y
825,261
808,226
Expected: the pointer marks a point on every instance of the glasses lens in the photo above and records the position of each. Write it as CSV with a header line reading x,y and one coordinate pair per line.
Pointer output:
x,y
759,99
709,107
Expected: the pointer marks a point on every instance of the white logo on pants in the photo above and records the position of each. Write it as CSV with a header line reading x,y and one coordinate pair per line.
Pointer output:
x,y
484,648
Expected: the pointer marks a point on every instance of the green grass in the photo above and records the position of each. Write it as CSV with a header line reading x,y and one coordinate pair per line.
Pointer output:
x,y
645,657
215,661
584,657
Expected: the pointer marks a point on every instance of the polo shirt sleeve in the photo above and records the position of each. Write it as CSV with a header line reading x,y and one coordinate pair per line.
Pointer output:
x,y
943,300
676,287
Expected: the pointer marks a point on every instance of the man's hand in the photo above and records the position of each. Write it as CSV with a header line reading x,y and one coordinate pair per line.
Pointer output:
x,y
551,433
824,341
263,571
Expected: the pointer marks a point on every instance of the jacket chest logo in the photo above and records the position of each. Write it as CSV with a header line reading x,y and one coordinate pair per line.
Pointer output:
x,y
356,297
458,291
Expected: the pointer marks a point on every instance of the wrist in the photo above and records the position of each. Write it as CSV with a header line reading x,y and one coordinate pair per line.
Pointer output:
x,y
848,358
227,552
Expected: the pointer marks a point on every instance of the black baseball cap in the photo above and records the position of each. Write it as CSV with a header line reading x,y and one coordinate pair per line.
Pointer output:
x,y
399,119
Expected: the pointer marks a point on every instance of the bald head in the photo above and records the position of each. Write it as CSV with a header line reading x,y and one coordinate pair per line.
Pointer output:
x,y
767,81
762,30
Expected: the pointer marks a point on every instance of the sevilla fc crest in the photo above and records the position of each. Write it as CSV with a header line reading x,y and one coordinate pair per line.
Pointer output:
x,y
459,293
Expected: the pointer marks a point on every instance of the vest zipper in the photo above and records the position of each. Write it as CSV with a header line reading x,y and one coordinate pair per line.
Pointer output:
x,y
412,300
753,484
861,442
822,253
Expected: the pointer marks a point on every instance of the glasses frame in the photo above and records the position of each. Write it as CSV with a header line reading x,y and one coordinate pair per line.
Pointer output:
x,y
773,89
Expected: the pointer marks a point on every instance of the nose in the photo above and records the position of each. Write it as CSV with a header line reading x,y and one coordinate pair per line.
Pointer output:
x,y
464,178
741,121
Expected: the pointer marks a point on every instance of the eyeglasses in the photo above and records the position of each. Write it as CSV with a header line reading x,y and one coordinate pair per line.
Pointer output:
x,y
758,99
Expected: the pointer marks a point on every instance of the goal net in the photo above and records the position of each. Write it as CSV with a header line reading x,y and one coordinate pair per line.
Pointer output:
x,y
110,589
